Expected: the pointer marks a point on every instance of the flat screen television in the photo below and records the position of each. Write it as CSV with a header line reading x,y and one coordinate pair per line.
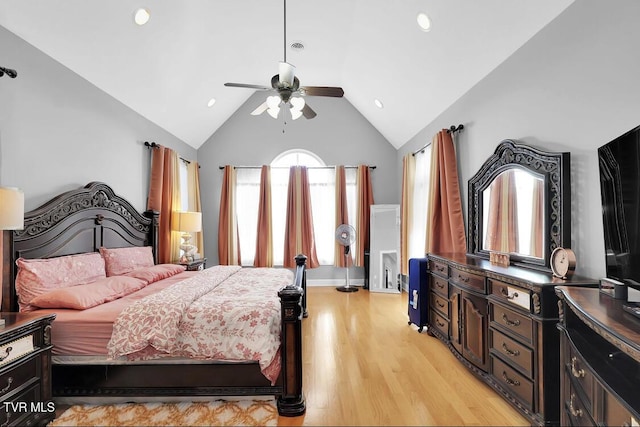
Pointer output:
x,y
619,162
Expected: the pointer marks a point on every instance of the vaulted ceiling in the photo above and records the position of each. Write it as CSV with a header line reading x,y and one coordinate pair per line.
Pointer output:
x,y
169,69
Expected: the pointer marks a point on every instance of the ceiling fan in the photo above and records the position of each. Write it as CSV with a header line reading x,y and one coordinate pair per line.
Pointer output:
x,y
288,90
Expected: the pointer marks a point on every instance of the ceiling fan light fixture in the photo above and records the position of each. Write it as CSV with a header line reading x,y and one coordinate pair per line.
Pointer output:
x,y
273,102
286,74
273,112
141,16
297,103
295,114
424,22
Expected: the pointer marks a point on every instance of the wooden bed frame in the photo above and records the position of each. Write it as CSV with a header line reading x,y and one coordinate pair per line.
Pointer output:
x,y
83,220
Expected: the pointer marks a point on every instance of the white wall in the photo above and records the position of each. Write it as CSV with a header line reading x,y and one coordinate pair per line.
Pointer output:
x,y
58,132
573,87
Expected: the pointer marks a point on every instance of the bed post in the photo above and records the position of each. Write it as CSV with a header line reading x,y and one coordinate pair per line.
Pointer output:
x,y
291,403
154,216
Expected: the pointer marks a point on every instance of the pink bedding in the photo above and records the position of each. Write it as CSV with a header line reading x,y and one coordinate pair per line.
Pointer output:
x,y
87,332
225,312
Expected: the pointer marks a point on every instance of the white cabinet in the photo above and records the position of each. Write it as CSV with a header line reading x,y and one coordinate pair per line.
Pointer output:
x,y
384,249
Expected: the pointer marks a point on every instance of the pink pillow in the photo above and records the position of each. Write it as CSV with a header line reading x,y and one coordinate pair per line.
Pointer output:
x,y
119,261
157,272
86,296
38,276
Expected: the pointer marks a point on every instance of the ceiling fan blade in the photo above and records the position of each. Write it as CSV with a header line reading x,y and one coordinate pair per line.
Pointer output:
x,y
261,109
248,86
307,112
322,91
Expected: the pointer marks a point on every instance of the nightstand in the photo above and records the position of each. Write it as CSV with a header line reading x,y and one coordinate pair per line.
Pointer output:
x,y
25,369
196,265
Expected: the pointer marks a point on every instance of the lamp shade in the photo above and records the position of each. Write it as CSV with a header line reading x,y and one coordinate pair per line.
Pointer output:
x,y
11,209
187,221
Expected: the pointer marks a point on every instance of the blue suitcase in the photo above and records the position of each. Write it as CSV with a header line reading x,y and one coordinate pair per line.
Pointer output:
x,y
418,292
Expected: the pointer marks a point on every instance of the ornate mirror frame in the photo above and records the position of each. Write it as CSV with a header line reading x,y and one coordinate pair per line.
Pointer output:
x,y
554,168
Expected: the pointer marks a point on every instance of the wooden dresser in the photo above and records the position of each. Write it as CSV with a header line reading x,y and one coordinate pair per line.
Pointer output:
x,y
600,360
501,323
25,370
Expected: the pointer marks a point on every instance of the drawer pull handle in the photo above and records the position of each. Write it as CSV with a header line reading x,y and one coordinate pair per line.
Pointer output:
x,y
440,284
8,386
575,412
463,279
8,351
441,305
439,324
440,268
578,373
510,352
509,380
6,421
510,322
506,294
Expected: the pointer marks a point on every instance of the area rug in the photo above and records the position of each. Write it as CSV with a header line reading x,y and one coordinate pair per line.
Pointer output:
x,y
214,413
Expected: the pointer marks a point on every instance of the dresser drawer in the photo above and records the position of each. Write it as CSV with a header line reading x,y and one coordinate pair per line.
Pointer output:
x,y
468,280
512,381
511,294
16,377
615,414
439,304
515,323
439,268
17,412
576,409
581,376
439,285
515,353
440,323
15,349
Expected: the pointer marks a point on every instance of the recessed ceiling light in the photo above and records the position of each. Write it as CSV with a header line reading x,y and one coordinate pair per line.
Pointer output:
x,y
378,103
424,22
141,16
211,102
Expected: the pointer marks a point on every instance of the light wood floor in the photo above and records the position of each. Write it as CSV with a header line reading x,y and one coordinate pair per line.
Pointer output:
x,y
364,365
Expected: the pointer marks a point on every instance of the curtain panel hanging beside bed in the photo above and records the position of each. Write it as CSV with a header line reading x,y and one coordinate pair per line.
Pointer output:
x,y
228,238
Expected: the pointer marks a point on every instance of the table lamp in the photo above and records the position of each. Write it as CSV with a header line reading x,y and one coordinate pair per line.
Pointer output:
x,y
187,223
11,209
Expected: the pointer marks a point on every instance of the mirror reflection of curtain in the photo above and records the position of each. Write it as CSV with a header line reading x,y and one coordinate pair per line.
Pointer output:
x,y
364,191
537,218
502,226
228,238
264,234
408,174
164,197
193,188
299,236
445,224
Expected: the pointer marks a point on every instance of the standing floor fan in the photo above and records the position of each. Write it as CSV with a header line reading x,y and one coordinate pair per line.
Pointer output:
x,y
346,235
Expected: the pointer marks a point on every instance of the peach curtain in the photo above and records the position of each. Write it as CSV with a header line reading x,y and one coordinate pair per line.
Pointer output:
x,y
195,205
537,218
228,237
342,217
445,224
264,237
364,192
164,197
406,203
502,225
299,237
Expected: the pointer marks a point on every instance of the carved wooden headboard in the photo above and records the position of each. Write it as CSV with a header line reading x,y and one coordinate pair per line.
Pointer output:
x,y
75,222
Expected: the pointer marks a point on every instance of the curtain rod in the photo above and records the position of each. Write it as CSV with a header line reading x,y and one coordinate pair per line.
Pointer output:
x,y
154,145
452,129
287,167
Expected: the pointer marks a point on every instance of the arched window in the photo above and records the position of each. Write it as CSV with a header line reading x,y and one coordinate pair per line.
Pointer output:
x,y
322,190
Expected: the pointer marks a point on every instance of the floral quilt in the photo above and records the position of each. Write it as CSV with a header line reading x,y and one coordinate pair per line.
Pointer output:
x,y
225,312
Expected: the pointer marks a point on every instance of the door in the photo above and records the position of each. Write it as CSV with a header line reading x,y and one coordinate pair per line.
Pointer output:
x,y
456,314
475,329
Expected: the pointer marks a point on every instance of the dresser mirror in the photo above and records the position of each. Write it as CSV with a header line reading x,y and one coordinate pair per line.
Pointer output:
x,y
519,203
